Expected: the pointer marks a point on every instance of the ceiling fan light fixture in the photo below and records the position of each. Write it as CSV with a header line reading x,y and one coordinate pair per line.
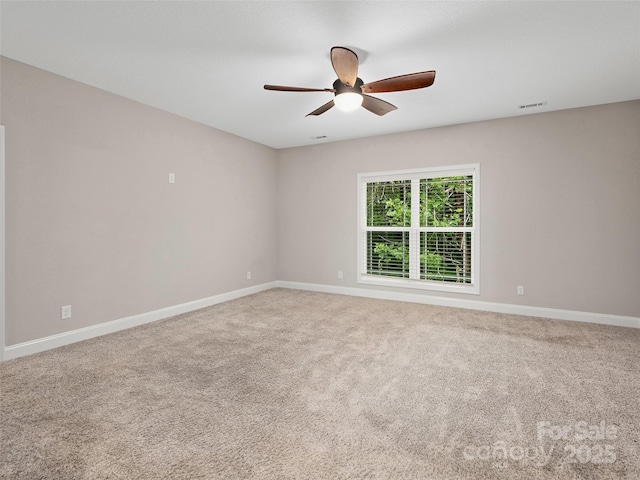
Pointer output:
x,y
348,101
350,91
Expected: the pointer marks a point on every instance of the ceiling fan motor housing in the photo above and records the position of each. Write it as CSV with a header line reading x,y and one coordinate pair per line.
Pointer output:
x,y
340,87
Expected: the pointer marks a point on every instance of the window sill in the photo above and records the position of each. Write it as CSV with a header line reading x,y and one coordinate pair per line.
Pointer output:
x,y
419,284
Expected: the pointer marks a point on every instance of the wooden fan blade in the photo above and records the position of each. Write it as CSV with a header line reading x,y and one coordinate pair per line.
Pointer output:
x,y
345,64
281,88
410,81
322,109
377,106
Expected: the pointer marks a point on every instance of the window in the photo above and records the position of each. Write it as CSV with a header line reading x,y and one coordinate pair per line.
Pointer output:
x,y
419,228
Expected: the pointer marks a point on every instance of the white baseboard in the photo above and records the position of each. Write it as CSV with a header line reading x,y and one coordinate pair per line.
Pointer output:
x,y
66,338
558,314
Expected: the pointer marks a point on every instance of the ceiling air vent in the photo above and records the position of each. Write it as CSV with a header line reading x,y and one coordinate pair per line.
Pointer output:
x,y
531,105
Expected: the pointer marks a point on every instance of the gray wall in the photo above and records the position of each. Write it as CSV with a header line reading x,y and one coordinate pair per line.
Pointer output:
x,y
560,205
92,221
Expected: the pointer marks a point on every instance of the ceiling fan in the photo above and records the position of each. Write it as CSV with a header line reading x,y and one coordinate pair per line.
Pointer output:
x,y
350,91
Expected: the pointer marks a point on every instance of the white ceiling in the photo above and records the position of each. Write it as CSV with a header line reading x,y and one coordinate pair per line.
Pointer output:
x,y
208,61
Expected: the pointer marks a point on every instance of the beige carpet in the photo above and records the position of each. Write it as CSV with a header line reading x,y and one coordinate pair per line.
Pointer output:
x,y
288,384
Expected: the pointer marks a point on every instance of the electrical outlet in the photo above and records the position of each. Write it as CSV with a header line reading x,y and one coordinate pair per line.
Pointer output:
x,y
520,290
340,275
172,178
65,312
248,275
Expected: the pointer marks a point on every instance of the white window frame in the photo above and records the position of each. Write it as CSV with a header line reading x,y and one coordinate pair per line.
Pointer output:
x,y
414,281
